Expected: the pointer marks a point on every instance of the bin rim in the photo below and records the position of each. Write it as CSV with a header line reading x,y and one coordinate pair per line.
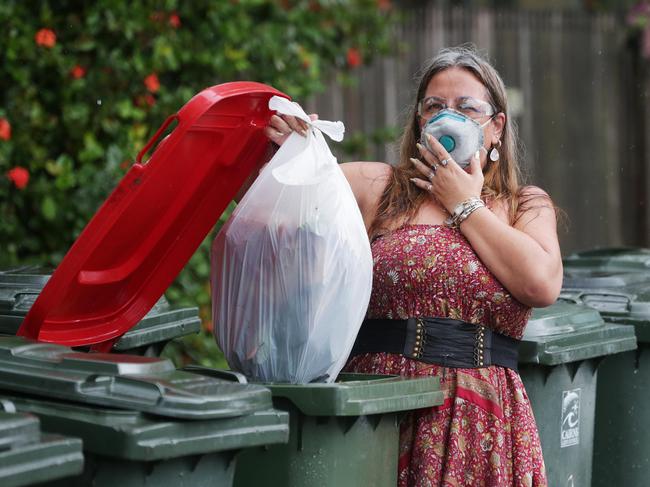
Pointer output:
x,y
567,332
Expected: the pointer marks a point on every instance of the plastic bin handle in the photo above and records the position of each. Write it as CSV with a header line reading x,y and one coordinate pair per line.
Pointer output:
x,y
153,139
589,350
567,297
218,373
7,406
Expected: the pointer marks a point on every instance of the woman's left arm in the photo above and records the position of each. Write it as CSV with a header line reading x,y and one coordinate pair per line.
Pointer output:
x,y
525,257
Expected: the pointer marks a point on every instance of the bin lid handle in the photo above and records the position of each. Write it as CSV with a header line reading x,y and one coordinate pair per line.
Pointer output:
x,y
228,375
153,139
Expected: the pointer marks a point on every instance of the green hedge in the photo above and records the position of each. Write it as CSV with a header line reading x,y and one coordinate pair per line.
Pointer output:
x,y
83,85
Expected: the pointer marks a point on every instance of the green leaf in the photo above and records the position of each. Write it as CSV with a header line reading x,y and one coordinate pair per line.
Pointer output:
x,y
53,168
76,114
48,208
92,150
114,157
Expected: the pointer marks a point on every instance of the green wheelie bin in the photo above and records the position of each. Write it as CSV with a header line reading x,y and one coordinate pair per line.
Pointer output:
x,y
609,260
28,457
559,357
342,434
622,437
20,286
142,422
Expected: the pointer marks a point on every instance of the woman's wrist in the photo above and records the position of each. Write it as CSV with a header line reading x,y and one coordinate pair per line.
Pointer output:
x,y
463,225
450,202
463,210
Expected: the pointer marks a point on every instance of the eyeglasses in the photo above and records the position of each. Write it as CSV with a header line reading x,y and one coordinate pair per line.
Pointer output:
x,y
471,107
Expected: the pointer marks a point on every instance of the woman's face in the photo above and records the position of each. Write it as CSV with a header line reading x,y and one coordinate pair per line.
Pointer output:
x,y
456,84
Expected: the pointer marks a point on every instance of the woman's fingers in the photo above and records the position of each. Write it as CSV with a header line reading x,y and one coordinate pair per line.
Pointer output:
x,y
287,124
426,171
276,136
296,124
438,151
427,155
475,163
422,184
281,126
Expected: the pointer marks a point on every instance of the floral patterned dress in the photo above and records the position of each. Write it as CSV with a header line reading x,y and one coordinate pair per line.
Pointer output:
x,y
484,434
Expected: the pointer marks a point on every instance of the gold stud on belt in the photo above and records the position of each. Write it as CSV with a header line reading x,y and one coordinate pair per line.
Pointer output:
x,y
419,338
479,346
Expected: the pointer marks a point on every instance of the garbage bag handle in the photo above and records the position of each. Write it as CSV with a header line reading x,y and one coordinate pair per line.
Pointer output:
x,y
153,139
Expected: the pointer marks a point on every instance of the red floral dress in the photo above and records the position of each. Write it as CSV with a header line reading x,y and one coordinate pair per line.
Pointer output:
x,y
484,434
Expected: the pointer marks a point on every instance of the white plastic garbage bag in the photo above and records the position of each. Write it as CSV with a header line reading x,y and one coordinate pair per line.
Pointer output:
x,y
292,268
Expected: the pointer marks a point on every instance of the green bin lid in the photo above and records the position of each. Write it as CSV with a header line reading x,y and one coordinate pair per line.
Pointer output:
x,y
361,394
620,297
137,436
25,276
565,332
18,430
625,259
27,457
19,288
600,279
160,325
145,384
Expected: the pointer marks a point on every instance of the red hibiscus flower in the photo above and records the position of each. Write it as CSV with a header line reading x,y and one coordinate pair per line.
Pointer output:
x,y
152,82
5,129
78,72
383,5
174,20
157,16
147,100
45,38
354,57
19,176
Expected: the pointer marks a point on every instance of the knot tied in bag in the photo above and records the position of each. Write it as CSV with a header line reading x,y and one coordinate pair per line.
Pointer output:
x,y
312,167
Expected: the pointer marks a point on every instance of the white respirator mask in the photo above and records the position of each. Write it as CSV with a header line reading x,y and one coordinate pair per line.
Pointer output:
x,y
460,135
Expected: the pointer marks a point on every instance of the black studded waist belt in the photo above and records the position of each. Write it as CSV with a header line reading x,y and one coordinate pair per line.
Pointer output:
x,y
440,341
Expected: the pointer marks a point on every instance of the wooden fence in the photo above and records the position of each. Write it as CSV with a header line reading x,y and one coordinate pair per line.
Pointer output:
x,y
578,96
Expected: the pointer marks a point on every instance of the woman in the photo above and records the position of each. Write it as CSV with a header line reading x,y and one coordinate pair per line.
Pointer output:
x,y
455,248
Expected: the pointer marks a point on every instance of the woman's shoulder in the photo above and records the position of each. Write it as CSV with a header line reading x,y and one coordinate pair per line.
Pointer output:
x,y
535,208
368,181
367,176
526,199
531,198
366,170
530,191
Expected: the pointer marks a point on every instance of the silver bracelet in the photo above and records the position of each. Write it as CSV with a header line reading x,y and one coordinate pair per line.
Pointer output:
x,y
463,210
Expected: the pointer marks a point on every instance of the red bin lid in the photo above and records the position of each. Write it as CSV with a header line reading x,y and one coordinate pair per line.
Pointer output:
x,y
155,219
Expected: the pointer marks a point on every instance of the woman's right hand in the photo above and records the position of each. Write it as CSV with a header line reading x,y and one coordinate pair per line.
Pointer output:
x,y
281,126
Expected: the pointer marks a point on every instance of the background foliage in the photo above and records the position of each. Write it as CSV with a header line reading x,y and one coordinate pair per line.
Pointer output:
x,y
83,85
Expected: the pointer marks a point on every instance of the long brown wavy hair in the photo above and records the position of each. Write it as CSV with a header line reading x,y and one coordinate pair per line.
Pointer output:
x,y
502,179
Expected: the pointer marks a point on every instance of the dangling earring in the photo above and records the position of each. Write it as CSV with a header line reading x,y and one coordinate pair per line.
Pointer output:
x,y
494,153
